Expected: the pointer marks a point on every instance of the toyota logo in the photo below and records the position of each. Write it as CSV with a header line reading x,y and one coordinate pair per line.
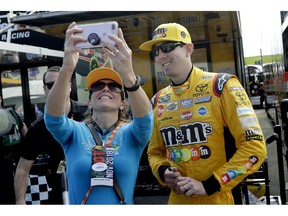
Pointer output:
x,y
241,96
201,87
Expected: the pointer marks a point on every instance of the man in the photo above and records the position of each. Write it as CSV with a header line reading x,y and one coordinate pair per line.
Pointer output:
x,y
256,89
12,132
206,137
40,145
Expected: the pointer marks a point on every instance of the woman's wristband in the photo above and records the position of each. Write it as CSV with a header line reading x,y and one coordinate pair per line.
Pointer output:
x,y
135,87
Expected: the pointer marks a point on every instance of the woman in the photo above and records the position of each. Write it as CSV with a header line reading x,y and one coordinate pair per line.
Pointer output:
x,y
107,102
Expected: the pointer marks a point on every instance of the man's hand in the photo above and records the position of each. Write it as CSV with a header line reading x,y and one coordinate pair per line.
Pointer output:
x,y
171,174
190,187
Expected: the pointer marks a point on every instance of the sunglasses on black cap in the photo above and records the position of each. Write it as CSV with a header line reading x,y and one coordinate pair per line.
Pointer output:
x,y
49,85
98,86
166,47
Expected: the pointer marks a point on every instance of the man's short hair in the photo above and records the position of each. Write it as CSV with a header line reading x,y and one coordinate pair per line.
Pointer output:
x,y
54,69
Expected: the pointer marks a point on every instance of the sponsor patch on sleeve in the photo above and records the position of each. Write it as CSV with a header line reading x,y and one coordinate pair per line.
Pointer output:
x,y
244,111
248,121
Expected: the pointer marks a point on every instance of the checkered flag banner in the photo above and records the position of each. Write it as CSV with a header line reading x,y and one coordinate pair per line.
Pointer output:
x,y
37,190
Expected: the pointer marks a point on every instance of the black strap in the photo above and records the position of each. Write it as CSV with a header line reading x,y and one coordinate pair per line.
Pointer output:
x,y
116,185
97,139
99,130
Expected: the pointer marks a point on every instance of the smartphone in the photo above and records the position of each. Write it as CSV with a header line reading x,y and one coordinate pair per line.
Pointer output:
x,y
96,33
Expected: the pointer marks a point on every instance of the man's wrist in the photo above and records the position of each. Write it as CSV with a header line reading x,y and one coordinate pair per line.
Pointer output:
x,y
161,172
211,185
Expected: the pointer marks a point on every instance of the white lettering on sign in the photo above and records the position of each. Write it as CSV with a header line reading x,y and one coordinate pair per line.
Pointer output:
x,y
18,35
3,37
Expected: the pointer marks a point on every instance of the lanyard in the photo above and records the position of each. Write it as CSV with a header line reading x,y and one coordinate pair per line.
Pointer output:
x,y
108,143
107,131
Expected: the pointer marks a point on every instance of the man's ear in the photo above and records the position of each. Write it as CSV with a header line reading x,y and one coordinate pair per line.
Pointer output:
x,y
190,48
89,104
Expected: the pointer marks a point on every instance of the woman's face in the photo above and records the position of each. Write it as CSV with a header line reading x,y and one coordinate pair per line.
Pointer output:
x,y
106,96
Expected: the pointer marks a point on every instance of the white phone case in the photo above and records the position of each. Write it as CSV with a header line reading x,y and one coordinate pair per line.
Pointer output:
x,y
96,33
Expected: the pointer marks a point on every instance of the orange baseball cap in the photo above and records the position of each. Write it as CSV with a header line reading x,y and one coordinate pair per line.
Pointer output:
x,y
103,73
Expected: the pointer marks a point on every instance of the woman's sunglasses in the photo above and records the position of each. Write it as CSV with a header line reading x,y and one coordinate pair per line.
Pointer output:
x,y
166,47
49,85
98,86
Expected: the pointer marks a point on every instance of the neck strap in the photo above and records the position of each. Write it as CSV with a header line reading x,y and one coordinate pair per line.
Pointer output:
x,y
97,127
98,141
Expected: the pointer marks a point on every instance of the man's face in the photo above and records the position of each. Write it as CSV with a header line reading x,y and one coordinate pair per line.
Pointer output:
x,y
173,57
169,55
50,79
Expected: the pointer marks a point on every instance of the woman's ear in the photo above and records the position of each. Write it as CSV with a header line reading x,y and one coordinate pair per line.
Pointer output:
x,y
70,87
122,107
124,104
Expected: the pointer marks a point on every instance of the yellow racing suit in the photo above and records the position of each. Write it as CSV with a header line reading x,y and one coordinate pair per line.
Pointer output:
x,y
207,128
